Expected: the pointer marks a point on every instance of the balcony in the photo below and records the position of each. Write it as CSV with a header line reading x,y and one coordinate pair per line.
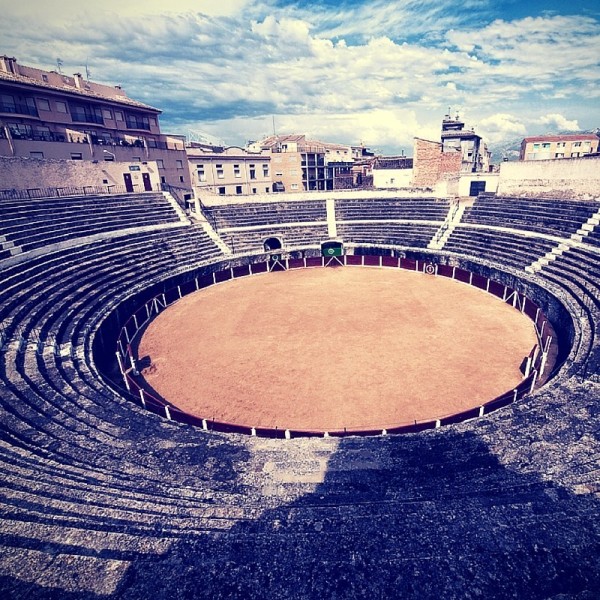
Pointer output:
x,y
18,108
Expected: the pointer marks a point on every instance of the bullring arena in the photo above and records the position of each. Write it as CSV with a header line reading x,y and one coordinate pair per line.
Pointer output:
x,y
112,490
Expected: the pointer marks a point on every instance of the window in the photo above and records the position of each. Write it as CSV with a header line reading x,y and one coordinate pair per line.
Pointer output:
x,y
536,146
221,191
265,170
107,113
179,164
45,77
134,121
160,163
61,107
559,155
252,172
43,104
236,171
201,173
238,189
561,144
181,180
76,156
163,179
575,154
220,172
294,186
118,115
36,154
280,173
546,145
86,113
254,190
267,189
577,144
137,159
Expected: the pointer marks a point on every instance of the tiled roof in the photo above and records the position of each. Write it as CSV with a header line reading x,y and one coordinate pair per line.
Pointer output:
x,y
67,89
570,137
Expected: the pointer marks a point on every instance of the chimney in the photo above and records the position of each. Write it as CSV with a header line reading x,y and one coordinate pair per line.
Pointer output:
x,y
8,64
78,81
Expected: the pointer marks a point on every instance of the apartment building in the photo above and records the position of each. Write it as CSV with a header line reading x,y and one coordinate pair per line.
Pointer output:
x,y
228,171
548,147
49,115
305,165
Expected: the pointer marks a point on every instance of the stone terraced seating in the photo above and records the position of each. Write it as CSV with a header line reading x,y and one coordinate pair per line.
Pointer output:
x,y
553,217
424,209
593,237
391,234
290,237
101,499
497,246
41,222
265,213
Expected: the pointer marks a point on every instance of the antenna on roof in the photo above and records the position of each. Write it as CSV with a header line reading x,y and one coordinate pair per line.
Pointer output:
x,y
273,116
87,71
59,64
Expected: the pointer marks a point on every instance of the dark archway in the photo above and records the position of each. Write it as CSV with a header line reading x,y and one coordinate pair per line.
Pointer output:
x,y
272,243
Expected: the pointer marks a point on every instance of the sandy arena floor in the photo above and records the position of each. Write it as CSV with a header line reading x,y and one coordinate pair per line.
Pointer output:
x,y
329,348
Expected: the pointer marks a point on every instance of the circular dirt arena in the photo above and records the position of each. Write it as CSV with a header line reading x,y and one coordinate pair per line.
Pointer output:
x,y
335,348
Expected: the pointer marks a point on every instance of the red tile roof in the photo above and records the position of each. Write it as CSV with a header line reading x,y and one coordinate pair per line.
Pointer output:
x,y
571,137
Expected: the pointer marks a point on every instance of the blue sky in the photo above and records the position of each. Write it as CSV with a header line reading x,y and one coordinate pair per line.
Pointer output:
x,y
349,71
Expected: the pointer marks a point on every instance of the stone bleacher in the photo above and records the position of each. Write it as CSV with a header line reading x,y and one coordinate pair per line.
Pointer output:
x,y
228,216
500,247
552,217
99,498
34,223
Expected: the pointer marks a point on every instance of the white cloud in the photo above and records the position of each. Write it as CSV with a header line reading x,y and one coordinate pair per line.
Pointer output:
x,y
501,126
372,69
559,123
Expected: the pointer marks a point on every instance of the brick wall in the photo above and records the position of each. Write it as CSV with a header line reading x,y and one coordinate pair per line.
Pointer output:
x,y
431,165
426,166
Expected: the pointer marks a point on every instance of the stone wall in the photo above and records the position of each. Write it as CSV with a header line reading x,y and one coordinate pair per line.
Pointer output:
x,y
19,173
575,178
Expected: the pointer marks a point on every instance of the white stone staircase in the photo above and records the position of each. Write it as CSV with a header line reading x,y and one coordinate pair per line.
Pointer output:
x,y
576,238
200,219
438,241
8,245
180,212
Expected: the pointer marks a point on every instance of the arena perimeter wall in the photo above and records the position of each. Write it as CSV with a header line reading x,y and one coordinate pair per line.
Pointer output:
x,y
104,339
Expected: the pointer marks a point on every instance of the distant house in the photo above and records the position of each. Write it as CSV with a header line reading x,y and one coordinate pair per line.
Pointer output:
x,y
306,165
549,147
392,172
229,171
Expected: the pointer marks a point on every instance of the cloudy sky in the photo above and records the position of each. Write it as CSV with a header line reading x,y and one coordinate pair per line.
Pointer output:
x,y
373,71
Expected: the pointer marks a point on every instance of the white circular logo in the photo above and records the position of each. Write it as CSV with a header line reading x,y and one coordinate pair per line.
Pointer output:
x,y
430,269
330,251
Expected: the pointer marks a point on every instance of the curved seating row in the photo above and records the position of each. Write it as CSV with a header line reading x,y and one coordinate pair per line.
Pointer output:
x,y
34,223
